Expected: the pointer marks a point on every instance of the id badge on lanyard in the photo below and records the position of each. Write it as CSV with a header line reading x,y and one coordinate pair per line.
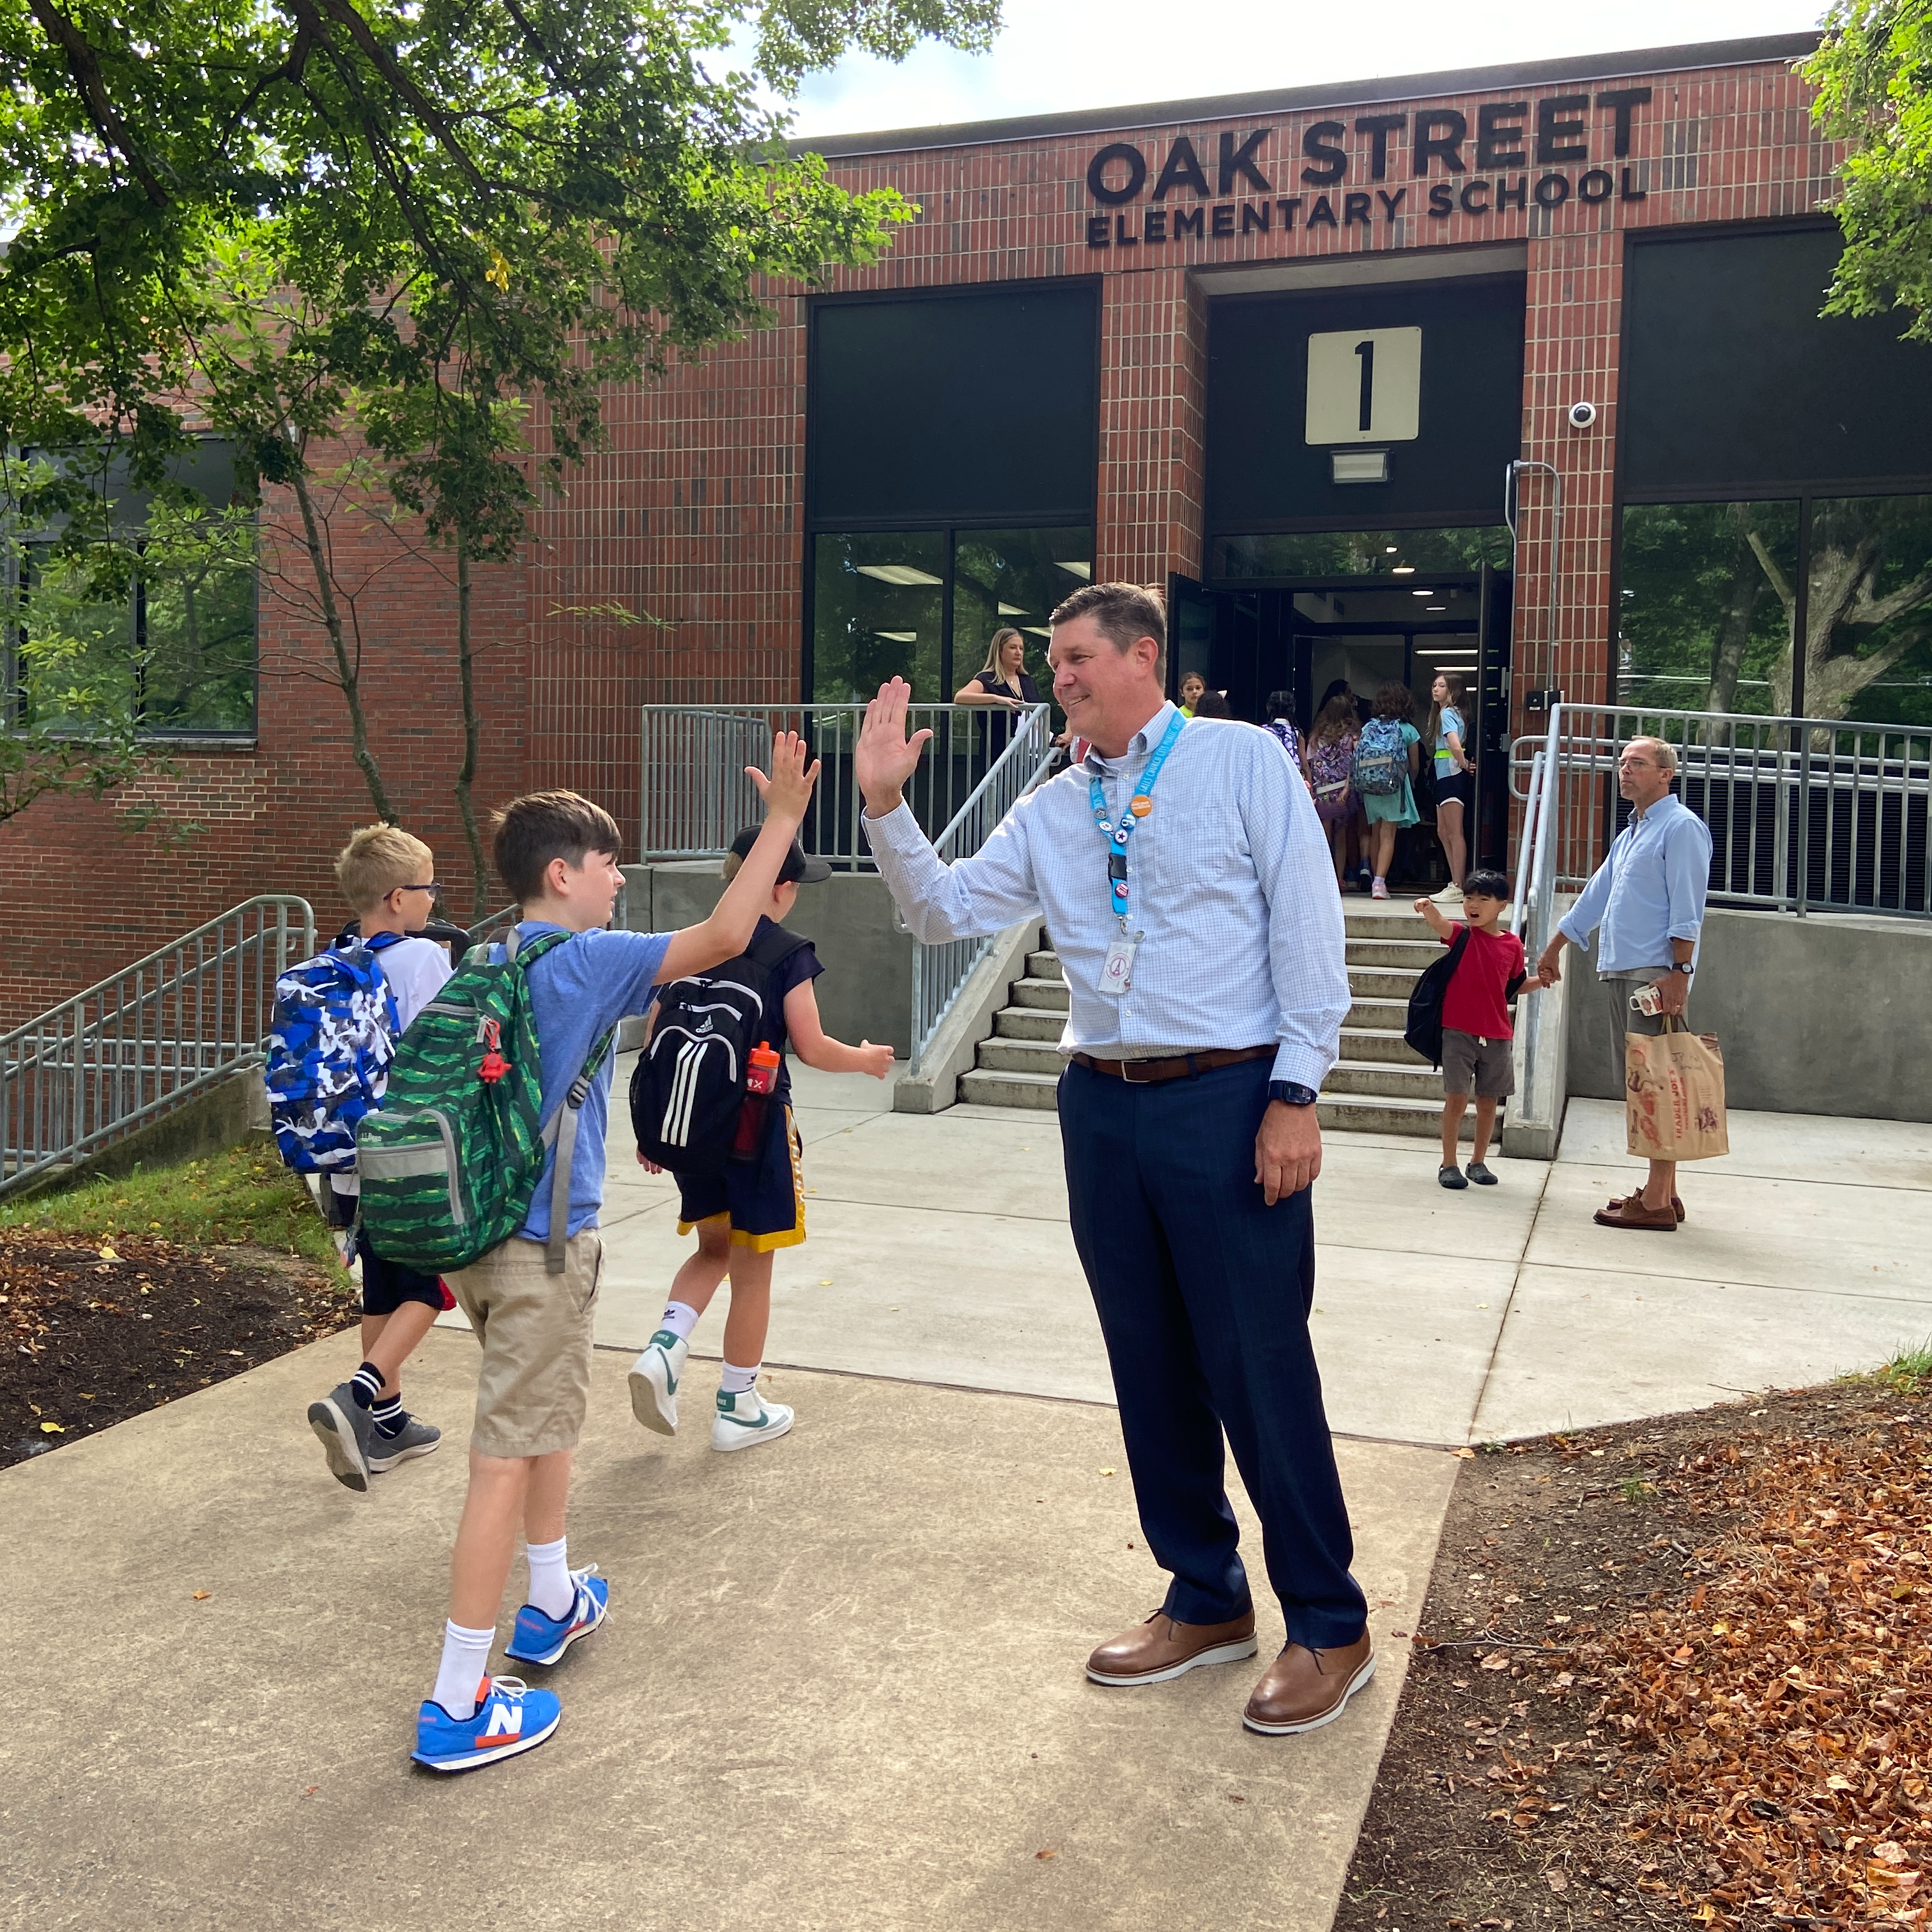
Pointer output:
x,y
1117,969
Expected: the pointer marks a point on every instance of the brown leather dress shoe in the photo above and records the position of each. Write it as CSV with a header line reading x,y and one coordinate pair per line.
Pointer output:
x,y
1152,1652
1302,1689
1630,1212
1676,1205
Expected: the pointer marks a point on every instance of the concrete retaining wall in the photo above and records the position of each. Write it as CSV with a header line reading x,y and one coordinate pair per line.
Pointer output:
x,y
866,990
1830,1014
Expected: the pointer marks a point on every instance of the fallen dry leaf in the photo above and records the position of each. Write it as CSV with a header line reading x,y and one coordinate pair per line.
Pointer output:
x,y
203,1596
1046,1855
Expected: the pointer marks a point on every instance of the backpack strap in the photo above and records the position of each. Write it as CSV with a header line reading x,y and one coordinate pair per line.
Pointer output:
x,y
561,1132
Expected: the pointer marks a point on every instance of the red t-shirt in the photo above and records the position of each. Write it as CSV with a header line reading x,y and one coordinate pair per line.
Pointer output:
x,y
1475,1002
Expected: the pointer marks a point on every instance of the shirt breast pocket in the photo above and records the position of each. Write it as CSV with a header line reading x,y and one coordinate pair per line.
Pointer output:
x,y
1198,847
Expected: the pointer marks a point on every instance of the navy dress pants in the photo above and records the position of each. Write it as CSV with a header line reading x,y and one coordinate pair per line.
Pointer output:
x,y
1204,1292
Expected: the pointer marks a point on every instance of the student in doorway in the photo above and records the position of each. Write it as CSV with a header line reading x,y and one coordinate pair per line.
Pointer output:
x,y
1455,782
1280,723
1330,766
1213,704
1478,1056
1387,812
1192,686
747,1211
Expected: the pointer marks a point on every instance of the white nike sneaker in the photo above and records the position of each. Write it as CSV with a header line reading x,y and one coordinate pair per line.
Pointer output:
x,y
655,1376
744,1419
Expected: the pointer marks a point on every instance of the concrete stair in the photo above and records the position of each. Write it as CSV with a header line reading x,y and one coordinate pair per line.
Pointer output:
x,y
1019,1066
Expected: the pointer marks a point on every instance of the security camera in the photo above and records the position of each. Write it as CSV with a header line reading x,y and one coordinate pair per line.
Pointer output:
x,y
1583,414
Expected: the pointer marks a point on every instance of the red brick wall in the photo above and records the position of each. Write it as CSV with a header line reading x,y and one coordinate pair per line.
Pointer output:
x,y
671,571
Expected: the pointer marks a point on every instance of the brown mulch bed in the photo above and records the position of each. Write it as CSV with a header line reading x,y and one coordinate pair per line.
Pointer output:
x,y
1673,1673
89,1337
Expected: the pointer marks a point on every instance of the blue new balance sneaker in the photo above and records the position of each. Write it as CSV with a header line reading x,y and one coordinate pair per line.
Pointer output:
x,y
511,1718
538,1638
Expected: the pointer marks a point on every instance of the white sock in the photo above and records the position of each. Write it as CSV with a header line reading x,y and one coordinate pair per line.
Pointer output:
x,y
680,1318
466,1663
551,1589
736,1381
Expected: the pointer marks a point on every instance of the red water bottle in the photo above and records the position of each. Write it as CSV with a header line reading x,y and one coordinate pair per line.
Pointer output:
x,y
761,1080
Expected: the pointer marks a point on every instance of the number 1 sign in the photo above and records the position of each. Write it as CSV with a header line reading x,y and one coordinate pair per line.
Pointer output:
x,y
1364,386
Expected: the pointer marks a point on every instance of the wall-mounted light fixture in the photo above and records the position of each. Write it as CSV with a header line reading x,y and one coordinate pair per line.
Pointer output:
x,y
1359,466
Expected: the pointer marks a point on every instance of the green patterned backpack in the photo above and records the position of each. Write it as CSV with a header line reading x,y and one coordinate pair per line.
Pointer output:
x,y
450,1163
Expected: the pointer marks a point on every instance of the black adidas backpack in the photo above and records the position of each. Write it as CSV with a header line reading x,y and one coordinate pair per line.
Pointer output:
x,y
1424,1030
690,1082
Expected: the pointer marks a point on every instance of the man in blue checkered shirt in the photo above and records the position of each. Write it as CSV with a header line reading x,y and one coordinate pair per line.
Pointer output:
x,y
1187,884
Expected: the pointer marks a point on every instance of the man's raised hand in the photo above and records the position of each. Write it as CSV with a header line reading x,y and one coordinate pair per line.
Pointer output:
x,y
885,757
788,791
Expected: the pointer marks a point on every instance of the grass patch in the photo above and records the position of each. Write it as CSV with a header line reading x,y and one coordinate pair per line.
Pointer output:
x,y
243,1194
1910,1369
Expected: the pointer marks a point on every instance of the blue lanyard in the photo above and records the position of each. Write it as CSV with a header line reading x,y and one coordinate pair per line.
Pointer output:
x,y
1138,806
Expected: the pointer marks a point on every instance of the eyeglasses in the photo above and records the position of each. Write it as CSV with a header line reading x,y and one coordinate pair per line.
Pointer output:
x,y
434,889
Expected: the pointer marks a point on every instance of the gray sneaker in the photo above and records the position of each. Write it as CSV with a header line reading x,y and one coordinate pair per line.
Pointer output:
x,y
416,1437
345,1428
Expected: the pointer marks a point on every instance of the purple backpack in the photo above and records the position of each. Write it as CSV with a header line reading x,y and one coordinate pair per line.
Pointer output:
x,y
1331,766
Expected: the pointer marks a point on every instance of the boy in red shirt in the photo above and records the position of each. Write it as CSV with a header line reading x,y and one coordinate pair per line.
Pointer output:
x,y
1476,1049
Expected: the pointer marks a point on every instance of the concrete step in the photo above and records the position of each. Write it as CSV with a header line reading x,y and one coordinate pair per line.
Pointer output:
x,y
1044,966
1390,919
1019,1056
1379,1044
1377,1015
1385,1079
1033,1090
1415,955
1048,996
1028,1023
1382,982
1414,1119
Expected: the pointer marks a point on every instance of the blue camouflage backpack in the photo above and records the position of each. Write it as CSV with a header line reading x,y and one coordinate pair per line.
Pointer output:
x,y
1381,758
330,1044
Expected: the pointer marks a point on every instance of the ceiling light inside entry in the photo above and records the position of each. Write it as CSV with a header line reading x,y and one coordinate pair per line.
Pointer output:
x,y
898,573
1084,572
1012,610
898,637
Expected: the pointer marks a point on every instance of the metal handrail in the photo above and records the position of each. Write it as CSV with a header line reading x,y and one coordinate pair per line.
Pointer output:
x,y
92,1070
940,972
694,796
1806,815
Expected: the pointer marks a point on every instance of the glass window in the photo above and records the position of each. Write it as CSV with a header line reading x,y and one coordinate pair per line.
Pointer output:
x,y
1012,577
1361,553
877,612
1704,625
1868,615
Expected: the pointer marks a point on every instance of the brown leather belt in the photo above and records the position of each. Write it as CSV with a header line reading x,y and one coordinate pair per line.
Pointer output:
x,y
1152,1073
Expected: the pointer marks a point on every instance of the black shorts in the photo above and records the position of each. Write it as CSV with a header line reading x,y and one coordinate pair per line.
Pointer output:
x,y
1453,788
762,1202
386,1285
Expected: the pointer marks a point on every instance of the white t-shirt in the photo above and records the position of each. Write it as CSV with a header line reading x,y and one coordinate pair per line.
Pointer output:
x,y
415,970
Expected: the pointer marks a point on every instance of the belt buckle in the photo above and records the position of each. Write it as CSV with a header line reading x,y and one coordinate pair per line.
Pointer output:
x,y
1128,1080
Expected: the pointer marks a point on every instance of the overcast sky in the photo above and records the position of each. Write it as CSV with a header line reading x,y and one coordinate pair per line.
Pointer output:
x,y
1058,54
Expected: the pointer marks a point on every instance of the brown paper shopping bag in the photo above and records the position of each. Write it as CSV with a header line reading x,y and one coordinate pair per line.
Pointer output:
x,y
1674,1094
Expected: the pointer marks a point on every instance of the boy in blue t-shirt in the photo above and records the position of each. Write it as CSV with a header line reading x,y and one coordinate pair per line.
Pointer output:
x,y
557,853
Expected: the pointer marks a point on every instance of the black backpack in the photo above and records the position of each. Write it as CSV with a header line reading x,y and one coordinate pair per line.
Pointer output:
x,y
690,1082
1424,1030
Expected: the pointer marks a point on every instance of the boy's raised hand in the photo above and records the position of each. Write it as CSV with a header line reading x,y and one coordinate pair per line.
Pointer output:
x,y
885,757
788,791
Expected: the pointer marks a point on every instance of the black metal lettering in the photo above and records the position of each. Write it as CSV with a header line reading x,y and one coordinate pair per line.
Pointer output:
x,y
1154,227
1189,221
1622,100
1553,190
1223,222
1241,161
1559,128
1098,231
1499,134
1321,215
1513,197
1334,160
1390,203
1122,239
1288,204
1097,174
1470,205
1355,207
1627,190
1441,200
1446,147
1256,216
1586,192
1379,127
1182,169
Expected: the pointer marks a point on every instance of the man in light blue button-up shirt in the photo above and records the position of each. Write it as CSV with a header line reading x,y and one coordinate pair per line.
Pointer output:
x,y
1645,904
1203,1019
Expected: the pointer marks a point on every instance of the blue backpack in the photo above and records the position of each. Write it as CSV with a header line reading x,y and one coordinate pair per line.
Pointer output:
x,y
1381,758
330,1044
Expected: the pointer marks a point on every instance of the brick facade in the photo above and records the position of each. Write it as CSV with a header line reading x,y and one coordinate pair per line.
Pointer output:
x,y
672,571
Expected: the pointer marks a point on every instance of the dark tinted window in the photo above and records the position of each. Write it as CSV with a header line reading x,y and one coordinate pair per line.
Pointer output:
x,y
955,406
1733,380
1262,469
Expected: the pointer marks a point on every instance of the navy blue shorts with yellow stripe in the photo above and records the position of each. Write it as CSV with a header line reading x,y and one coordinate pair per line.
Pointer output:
x,y
763,1201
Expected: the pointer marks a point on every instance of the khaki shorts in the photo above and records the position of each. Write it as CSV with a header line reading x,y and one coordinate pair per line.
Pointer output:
x,y
1617,988
535,1328
1487,1067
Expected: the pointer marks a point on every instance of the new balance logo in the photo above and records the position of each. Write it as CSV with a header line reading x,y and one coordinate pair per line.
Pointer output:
x,y
506,1725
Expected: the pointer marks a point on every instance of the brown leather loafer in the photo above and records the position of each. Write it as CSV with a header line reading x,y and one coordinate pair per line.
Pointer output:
x,y
1152,1652
1676,1206
1630,1212
1302,1689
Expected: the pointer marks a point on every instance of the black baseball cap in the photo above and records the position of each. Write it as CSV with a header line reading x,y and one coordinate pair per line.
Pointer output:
x,y
797,869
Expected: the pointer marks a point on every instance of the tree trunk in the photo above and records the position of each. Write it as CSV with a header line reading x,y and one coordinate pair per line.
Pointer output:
x,y
345,673
479,902
1726,657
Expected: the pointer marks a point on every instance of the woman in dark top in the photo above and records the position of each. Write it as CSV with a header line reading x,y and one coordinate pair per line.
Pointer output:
x,y
1002,685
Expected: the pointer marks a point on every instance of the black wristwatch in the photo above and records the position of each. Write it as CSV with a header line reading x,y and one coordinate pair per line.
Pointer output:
x,y
1683,966
1292,1092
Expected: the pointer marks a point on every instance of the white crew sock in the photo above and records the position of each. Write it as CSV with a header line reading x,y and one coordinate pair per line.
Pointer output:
x,y
736,1381
551,1589
680,1318
466,1663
